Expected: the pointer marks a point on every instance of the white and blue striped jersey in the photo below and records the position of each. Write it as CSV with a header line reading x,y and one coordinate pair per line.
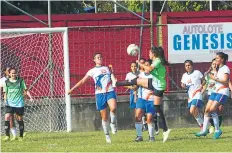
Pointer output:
x,y
102,79
144,93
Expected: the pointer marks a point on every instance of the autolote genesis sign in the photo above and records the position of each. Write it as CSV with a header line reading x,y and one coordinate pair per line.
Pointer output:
x,y
198,42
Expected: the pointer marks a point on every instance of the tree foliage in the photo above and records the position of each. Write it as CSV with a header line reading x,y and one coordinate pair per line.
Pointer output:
x,y
41,7
189,5
73,7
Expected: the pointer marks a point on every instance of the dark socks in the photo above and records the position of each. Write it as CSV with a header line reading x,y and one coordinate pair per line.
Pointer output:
x,y
127,83
21,128
156,122
161,115
7,128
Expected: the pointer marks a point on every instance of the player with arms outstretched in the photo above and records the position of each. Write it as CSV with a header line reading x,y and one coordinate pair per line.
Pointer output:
x,y
104,93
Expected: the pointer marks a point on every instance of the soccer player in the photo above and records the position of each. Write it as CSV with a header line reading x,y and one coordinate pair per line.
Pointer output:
x,y
141,69
193,81
104,92
11,119
218,97
130,76
157,83
141,60
210,87
14,91
144,104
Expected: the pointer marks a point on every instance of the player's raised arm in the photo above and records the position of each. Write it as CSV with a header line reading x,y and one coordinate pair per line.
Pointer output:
x,y
78,84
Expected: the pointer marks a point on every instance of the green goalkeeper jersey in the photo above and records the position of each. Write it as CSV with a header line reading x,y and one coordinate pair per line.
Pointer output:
x,y
159,74
14,93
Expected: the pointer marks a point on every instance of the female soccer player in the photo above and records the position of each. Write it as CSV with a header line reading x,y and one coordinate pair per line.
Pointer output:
x,y
218,97
11,119
14,91
210,87
144,104
130,76
141,60
141,70
104,92
157,83
193,80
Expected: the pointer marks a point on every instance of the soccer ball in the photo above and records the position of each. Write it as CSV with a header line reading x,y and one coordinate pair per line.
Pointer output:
x,y
133,50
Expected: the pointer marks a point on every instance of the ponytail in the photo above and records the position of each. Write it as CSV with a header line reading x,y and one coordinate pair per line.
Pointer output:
x,y
162,56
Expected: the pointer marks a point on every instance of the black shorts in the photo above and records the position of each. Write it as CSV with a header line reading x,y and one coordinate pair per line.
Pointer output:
x,y
158,93
15,110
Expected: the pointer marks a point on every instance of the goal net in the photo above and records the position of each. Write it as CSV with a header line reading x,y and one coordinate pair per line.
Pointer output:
x,y
39,55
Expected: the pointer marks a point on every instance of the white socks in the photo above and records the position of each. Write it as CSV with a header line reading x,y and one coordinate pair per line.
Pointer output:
x,y
206,123
113,117
150,130
139,126
105,127
13,131
199,119
215,121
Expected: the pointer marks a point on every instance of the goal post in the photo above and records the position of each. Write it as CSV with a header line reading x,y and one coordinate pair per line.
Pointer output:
x,y
27,49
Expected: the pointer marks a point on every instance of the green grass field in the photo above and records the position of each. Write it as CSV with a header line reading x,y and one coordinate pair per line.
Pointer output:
x,y
180,140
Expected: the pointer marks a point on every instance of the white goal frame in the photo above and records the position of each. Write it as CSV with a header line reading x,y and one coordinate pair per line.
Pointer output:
x,y
63,30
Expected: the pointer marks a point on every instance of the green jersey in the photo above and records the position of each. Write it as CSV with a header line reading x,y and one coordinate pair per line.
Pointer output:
x,y
159,74
14,93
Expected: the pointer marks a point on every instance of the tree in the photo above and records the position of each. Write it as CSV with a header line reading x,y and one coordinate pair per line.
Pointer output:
x,y
41,7
73,7
180,6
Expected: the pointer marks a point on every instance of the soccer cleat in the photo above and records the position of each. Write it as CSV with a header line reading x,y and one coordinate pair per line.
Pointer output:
x,y
211,130
217,134
145,127
166,134
108,140
151,139
20,138
157,132
113,128
114,80
139,138
24,134
14,138
7,138
202,134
